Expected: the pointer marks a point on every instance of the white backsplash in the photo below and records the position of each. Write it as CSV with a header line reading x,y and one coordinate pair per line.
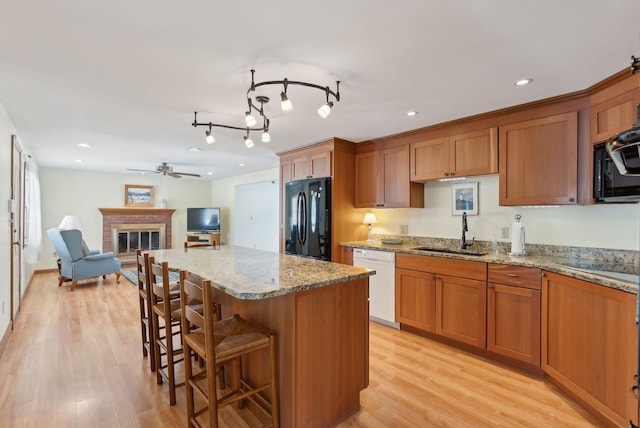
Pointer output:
x,y
603,226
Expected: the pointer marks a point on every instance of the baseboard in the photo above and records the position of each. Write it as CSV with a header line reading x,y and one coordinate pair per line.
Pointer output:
x,y
5,338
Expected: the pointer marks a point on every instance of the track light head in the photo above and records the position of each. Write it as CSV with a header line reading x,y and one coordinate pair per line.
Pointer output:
x,y
248,141
285,103
250,120
209,137
325,110
266,138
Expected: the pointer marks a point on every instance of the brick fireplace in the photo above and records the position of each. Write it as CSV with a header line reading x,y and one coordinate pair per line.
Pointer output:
x,y
126,218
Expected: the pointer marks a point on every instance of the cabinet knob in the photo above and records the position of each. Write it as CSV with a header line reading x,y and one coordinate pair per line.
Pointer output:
x,y
491,287
446,174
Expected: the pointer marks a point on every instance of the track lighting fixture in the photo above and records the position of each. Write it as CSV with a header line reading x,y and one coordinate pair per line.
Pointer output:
x,y
285,105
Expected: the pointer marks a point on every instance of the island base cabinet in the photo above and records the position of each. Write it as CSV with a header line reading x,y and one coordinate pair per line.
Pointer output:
x,y
461,310
323,349
589,345
513,322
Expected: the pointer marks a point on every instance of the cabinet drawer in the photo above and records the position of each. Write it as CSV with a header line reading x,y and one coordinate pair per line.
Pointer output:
x,y
444,266
514,275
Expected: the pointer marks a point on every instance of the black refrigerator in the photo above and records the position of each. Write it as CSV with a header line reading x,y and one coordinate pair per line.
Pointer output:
x,y
307,218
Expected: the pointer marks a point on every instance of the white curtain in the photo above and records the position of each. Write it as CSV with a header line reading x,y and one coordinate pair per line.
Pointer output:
x,y
33,215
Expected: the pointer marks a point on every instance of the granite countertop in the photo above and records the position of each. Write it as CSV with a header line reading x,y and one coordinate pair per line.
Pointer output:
x,y
247,273
581,268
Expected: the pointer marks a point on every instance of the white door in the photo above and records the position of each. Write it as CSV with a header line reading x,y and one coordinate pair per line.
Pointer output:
x,y
255,215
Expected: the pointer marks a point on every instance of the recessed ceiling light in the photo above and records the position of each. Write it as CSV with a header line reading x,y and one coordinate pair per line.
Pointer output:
x,y
84,145
241,164
209,173
79,161
412,113
194,149
522,82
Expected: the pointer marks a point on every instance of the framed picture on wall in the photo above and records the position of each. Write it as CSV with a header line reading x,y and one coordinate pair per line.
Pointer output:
x,y
136,195
464,198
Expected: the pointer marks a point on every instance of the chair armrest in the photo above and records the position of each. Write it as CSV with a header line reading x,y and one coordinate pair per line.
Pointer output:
x,y
100,256
94,252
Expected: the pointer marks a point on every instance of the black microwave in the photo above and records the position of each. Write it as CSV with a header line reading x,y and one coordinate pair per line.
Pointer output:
x,y
608,184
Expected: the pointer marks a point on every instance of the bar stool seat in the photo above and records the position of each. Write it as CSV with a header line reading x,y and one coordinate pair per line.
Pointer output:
x,y
219,343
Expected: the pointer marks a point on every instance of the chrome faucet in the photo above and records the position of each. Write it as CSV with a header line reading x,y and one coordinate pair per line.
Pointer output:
x,y
465,228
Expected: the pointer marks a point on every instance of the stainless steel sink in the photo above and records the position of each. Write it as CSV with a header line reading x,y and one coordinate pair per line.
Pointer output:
x,y
448,251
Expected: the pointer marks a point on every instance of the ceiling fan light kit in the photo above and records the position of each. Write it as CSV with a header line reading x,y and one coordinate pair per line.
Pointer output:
x,y
285,104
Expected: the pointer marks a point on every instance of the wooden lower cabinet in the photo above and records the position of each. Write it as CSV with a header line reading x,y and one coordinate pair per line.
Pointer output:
x,y
513,322
513,312
589,345
461,309
416,299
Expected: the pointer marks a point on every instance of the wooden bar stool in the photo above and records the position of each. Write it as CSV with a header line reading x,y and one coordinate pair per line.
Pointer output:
x,y
166,308
144,294
218,343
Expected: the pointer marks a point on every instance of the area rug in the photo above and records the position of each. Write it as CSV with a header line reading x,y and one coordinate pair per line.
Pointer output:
x,y
132,276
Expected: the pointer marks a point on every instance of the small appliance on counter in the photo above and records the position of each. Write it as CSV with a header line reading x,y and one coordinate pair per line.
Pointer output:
x,y
517,237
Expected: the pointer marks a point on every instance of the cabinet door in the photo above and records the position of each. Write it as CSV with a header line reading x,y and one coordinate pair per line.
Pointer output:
x,y
590,343
416,299
346,255
395,190
368,180
430,159
300,168
461,309
539,161
612,116
320,165
513,322
474,153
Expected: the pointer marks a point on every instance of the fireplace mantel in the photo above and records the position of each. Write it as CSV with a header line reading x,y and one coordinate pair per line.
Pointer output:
x,y
136,211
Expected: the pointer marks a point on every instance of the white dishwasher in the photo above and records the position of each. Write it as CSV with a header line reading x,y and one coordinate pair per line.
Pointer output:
x,y
382,285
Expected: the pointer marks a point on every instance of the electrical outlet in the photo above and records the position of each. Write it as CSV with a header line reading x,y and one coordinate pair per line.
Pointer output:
x,y
505,232
404,229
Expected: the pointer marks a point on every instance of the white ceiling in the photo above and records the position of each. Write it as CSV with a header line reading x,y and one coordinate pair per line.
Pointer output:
x,y
126,76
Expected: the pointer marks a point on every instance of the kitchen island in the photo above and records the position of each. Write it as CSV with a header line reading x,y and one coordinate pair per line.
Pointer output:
x,y
319,311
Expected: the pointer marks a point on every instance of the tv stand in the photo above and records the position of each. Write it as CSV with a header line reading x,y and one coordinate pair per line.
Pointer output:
x,y
212,238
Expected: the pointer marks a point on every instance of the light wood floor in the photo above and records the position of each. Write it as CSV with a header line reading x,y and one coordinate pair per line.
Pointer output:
x,y
74,359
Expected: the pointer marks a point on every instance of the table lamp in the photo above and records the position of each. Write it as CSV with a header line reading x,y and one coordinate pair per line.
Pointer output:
x,y
369,218
70,222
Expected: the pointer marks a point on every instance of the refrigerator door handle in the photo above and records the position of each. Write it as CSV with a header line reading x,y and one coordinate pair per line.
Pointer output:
x,y
304,219
298,219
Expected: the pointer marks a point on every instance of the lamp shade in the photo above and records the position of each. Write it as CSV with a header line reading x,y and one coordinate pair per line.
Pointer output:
x,y
370,218
70,222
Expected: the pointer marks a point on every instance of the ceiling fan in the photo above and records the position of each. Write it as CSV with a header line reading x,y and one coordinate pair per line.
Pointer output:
x,y
165,169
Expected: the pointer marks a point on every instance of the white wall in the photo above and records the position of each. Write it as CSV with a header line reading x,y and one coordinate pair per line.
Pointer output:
x,y
6,130
223,196
81,193
601,226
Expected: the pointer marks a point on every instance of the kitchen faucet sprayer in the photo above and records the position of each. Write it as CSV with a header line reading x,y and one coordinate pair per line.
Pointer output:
x,y
465,228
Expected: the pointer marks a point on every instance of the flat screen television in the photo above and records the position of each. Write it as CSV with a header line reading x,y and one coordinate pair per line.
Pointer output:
x,y
203,220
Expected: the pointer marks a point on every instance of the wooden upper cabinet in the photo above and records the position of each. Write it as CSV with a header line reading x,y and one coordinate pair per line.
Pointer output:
x,y
382,180
471,153
614,115
311,166
539,161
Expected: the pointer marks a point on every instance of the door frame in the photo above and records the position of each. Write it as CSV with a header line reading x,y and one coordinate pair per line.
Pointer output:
x,y
15,226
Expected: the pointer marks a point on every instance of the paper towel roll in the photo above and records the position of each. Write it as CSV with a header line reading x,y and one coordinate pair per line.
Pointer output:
x,y
516,237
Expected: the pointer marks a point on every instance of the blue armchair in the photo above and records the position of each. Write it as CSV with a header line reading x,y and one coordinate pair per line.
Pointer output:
x,y
77,262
